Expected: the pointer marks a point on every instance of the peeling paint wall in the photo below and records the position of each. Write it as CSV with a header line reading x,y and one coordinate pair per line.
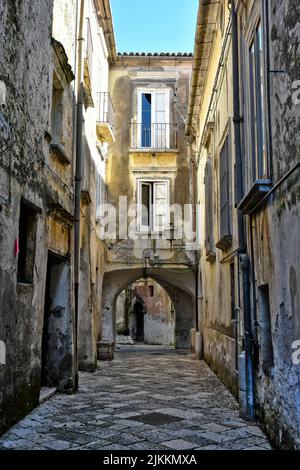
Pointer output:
x,y
27,60
276,229
95,154
272,231
213,124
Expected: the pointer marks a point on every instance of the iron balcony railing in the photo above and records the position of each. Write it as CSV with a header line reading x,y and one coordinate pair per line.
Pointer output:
x,y
161,136
105,109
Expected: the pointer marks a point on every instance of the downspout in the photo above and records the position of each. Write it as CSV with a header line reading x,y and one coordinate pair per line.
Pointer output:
x,y
192,171
243,259
245,266
78,179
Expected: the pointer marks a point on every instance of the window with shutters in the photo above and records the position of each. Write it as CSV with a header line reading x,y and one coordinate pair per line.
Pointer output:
x,y
257,106
209,236
153,128
153,205
256,132
225,203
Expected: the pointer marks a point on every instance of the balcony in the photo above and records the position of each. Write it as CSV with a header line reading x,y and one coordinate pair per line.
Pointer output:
x,y
157,137
105,120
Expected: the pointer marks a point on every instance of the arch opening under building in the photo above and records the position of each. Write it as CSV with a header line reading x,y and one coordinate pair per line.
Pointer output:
x,y
177,284
145,314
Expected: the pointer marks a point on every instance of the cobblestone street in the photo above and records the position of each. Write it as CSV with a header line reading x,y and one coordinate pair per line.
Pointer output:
x,y
147,398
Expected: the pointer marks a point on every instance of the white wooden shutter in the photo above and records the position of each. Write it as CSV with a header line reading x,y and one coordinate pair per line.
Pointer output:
x,y
145,201
160,206
159,113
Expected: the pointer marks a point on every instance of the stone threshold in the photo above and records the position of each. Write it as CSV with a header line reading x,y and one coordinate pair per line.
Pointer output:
x,y
46,393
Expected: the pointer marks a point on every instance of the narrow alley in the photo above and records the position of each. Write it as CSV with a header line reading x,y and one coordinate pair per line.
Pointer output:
x,y
149,397
149,228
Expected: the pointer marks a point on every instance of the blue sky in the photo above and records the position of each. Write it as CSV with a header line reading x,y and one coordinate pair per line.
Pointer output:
x,y
154,25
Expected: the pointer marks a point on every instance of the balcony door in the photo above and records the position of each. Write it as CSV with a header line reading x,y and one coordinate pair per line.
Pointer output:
x,y
153,127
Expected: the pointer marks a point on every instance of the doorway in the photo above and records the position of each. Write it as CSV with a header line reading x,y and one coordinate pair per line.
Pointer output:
x,y
57,337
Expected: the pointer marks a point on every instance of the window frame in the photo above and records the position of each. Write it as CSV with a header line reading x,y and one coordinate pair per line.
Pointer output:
x,y
257,106
153,92
151,182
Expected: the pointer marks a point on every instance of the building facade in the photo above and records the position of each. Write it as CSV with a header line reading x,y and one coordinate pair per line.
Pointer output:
x,y
54,144
243,112
37,295
148,170
98,133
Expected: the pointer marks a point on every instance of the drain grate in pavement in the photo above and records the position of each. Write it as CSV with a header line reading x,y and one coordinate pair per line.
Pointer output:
x,y
156,419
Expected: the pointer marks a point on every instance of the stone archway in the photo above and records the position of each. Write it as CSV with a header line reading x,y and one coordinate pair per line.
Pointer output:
x,y
179,284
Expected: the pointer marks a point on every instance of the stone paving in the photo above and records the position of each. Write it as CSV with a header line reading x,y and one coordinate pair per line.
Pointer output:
x,y
147,398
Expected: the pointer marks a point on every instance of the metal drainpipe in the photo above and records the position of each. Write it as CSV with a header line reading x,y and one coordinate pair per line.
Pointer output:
x,y
192,169
245,266
244,259
77,191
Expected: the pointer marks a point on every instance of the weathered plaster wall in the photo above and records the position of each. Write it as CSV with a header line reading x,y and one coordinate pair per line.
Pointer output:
x,y
24,46
276,234
26,71
92,248
275,225
220,339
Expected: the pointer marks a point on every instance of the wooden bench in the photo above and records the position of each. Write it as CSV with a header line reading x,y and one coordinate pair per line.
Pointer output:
x,y
105,350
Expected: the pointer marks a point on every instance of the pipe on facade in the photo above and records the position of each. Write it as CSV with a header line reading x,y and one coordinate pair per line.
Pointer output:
x,y
245,267
243,259
78,179
193,196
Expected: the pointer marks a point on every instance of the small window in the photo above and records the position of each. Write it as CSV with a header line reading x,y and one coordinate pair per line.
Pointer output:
x,y
257,106
265,325
153,203
151,291
27,243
